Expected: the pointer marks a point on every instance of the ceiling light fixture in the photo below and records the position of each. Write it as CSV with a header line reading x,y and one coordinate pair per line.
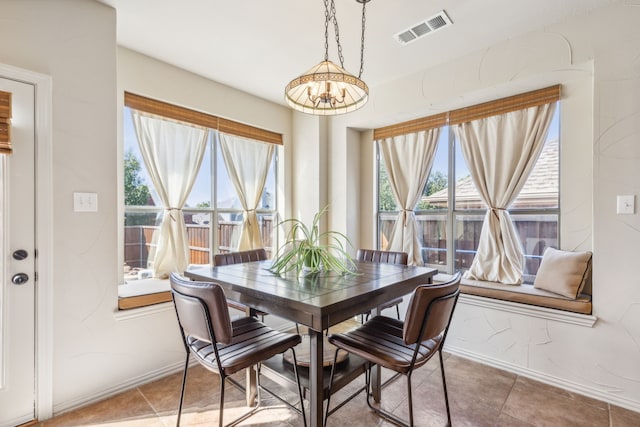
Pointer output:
x,y
327,88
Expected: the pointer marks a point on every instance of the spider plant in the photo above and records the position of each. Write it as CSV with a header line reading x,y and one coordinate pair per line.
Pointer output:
x,y
304,250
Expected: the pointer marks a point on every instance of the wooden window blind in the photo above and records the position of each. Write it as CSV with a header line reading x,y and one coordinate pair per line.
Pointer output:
x,y
412,126
475,112
5,122
171,111
239,129
505,105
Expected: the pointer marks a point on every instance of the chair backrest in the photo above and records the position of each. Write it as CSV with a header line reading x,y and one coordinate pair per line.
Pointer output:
x,y
388,257
240,257
430,310
202,310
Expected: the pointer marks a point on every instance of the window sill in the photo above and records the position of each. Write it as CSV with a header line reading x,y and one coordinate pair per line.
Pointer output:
x,y
143,310
142,293
586,320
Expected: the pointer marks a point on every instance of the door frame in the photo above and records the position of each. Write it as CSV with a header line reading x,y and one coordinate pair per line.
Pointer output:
x,y
43,234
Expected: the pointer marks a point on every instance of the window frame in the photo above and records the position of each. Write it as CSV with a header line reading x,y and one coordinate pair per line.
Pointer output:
x,y
452,214
161,292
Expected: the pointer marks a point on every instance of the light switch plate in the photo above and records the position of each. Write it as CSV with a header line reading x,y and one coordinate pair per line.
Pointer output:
x,y
85,202
626,204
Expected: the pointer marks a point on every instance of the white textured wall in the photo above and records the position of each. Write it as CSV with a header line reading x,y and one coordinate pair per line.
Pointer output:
x,y
308,166
146,76
616,366
74,42
600,130
343,177
366,194
97,351
600,74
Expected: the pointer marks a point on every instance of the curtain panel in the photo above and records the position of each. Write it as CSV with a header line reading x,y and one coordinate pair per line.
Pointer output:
x,y
509,143
172,153
248,164
408,159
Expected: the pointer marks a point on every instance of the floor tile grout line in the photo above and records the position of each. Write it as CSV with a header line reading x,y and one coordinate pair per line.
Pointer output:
x,y
155,411
610,415
515,380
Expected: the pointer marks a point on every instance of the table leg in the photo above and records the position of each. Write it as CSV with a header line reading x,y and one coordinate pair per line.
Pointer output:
x,y
251,387
251,384
316,377
376,372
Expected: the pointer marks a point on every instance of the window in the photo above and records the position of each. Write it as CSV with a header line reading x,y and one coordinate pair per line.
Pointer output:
x,y
450,213
213,212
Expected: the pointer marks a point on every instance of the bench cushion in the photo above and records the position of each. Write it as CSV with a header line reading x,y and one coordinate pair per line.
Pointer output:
x,y
526,294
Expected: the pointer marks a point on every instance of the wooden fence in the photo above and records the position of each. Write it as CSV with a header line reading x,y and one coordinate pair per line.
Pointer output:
x,y
138,241
535,234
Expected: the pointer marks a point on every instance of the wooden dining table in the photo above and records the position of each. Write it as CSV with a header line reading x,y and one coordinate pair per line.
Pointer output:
x,y
316,301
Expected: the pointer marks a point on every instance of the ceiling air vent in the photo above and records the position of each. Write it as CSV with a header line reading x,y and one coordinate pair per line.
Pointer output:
x,y
423,28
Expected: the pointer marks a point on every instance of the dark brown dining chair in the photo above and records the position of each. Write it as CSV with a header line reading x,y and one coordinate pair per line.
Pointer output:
x,y
221,345
387,257
404,346
237,258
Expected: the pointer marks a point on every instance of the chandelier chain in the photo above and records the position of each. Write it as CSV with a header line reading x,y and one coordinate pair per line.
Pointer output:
x,y
337,31
326,30
364,21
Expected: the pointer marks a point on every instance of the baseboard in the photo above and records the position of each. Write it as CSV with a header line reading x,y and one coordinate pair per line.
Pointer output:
x,y
23,421
132,383
545,378
112,391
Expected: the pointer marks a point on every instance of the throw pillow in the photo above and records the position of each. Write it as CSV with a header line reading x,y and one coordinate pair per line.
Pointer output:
x,y
563,272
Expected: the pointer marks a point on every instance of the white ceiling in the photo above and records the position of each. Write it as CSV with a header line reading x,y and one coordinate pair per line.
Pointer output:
x,y
260,45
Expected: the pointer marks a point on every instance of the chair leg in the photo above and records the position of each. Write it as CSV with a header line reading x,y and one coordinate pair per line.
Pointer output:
x,y
384,414
252,410
184,382
410,397
398,311
295,371
221,410
444,386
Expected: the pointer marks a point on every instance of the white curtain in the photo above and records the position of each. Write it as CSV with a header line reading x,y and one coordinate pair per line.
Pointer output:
x,y
501,151
408,160
172,153
248,164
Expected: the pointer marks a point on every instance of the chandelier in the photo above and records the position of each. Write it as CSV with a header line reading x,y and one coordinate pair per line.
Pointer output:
x,y
327,88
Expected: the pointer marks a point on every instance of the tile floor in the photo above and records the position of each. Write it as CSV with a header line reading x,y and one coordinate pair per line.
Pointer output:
x,y
479,396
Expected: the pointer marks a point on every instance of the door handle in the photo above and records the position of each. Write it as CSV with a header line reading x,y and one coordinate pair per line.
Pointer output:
x,y
19,279
20,254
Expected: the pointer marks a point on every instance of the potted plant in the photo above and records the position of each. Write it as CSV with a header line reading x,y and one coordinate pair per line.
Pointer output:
x,y
309,251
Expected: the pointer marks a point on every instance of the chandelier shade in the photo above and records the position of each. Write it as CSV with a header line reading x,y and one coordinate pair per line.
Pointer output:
x,y
326,89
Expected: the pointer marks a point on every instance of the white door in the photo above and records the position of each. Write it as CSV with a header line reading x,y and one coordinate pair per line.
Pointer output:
x,y
17,268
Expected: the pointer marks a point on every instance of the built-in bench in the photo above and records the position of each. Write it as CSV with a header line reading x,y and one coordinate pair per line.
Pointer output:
x,y
527,294
563,282
143,292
